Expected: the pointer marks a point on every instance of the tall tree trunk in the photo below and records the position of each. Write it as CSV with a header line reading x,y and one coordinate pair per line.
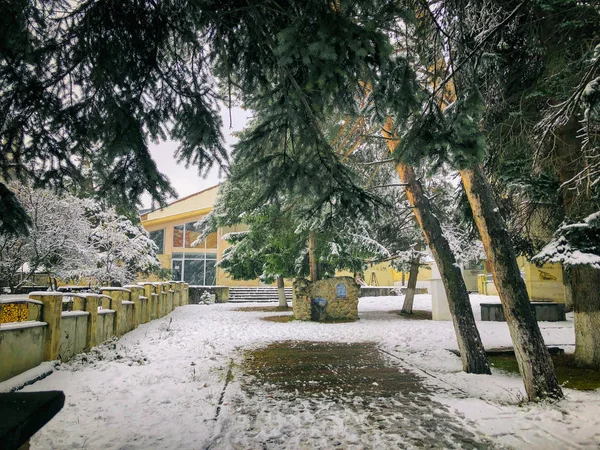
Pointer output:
x,y
281,293
532,355
472,353
409,299
586,296
473,356
312,260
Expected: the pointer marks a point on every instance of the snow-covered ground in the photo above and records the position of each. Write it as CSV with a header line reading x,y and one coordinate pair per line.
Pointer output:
x,y
166,385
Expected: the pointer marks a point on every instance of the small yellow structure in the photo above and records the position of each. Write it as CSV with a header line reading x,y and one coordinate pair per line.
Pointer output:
x,y
544,284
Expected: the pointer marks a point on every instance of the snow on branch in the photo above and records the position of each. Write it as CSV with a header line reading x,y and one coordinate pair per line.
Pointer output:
x,y
204,227
234,236
574,244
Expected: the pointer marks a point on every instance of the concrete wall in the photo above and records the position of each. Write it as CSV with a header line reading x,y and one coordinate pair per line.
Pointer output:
x,y
221,293
105,326
73,329
21,347
38,328
543,284
377,291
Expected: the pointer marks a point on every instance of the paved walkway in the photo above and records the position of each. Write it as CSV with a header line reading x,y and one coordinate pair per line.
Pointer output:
x,y
295,394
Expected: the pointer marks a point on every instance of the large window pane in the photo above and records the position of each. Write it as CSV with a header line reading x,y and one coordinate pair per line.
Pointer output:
x,y
194,272
158,237
191,234
178,236
211,273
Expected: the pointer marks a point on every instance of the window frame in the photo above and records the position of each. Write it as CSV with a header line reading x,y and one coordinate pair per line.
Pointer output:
x,y
182,257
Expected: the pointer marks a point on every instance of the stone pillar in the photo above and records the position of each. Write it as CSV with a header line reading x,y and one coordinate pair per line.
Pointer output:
x,y
185,288
52,315
154,299
163,300
117,296
170,299
136,292
439,302
177,294
143,309
149,289
92,301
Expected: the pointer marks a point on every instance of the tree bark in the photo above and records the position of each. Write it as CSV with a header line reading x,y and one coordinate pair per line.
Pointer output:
x,y
586,296
532,355
281,293
312,261
472,353
568,284
407,307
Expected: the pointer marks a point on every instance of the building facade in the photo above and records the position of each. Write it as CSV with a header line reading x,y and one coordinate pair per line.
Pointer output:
x,y
172,229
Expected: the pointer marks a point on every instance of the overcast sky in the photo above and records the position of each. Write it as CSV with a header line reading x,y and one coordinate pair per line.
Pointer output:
x,y
187,181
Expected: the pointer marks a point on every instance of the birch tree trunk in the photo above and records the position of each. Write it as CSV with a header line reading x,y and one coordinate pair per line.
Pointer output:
x,y
281,293
586,303
407,307
532,355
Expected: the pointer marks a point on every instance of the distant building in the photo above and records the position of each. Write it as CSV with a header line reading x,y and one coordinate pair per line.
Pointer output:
x,y
172,229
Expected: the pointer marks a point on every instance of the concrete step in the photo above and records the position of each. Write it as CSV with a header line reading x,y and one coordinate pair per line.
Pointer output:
x,y
257,294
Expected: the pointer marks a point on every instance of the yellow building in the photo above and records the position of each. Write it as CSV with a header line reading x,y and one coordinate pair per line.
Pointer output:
x,y
172,229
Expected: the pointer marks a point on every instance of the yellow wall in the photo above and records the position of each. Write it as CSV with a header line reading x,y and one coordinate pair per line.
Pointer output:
x,y
543,283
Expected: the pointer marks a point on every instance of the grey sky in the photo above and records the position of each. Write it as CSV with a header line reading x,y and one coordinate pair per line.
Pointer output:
x,y
187,181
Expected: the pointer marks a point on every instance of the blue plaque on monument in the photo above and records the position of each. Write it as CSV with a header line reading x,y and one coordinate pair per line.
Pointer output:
x,y
340,290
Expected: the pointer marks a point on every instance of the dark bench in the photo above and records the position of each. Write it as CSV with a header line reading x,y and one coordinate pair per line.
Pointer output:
x,y
22,414
543,311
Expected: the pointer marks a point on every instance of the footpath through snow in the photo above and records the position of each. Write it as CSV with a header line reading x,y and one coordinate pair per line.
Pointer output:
x,y
177,383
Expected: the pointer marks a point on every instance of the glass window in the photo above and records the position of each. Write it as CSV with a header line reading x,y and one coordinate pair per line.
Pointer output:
x,y
177,269
194,271
185,235
191,234
158,237
178,236
210,278
195,268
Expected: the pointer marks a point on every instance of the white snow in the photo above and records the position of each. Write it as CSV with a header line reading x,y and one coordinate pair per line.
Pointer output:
x,y
160,386
74,313
21,325
28,377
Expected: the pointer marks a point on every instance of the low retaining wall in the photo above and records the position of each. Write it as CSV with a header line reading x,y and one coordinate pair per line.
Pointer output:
x,y
221,293
58,325
543,311
377,291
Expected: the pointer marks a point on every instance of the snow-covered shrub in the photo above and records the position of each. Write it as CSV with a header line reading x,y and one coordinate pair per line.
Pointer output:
x,y
206,298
